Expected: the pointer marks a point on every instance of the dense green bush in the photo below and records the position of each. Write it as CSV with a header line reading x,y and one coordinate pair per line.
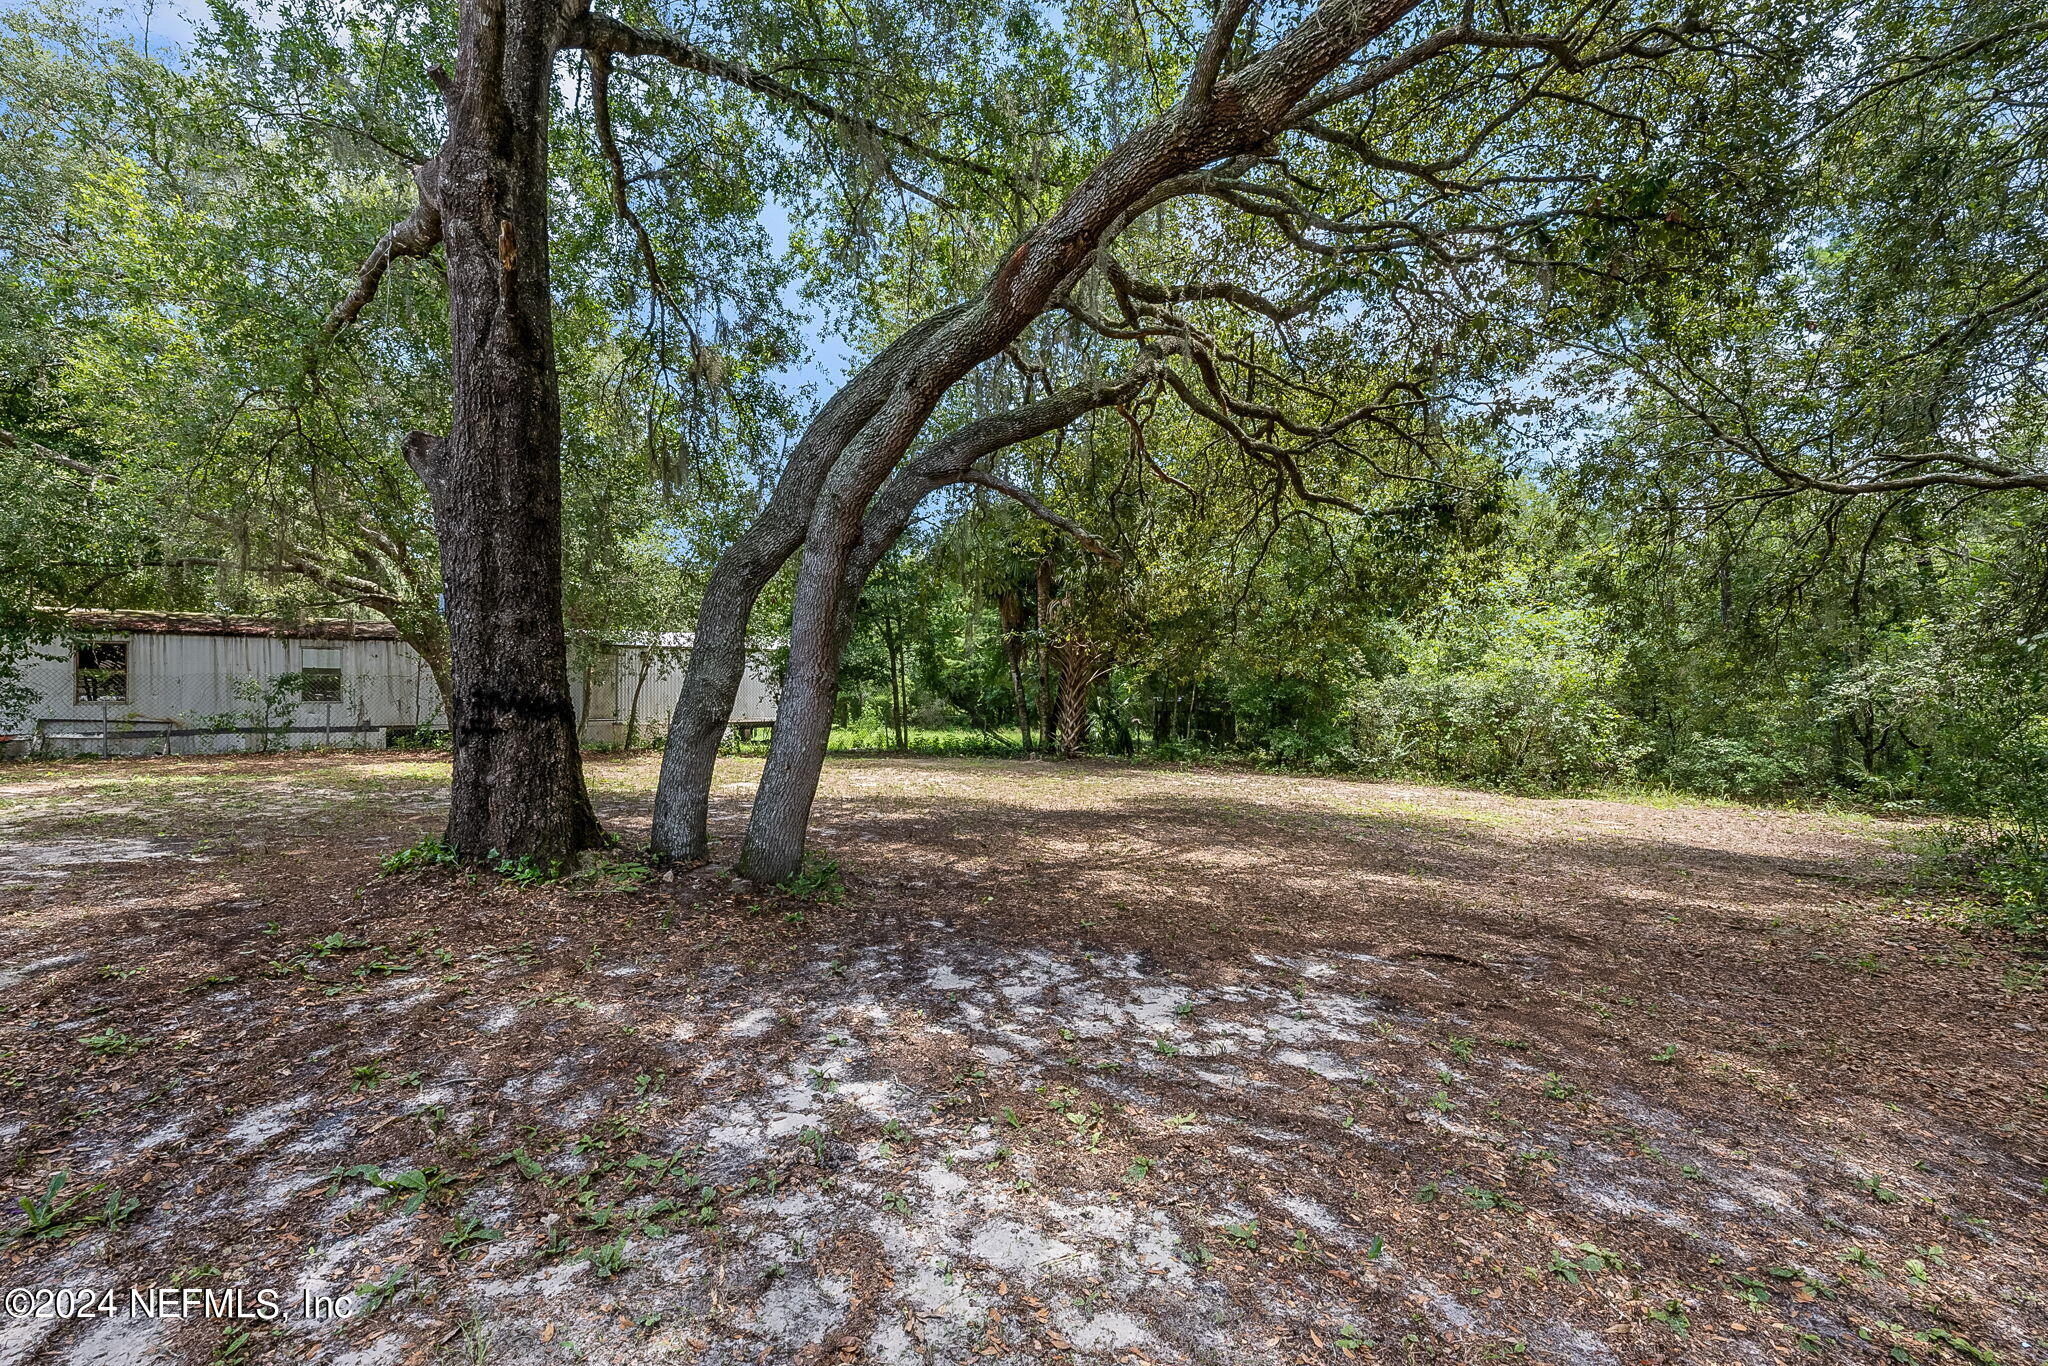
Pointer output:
x,y
1717,766
2005,848
2010,857
1515,727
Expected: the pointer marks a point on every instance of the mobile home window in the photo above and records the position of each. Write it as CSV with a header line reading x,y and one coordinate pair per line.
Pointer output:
x,y
100,673
320,675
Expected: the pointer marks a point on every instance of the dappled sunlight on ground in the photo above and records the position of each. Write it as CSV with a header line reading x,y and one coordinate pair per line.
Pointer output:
x,y
1092,1063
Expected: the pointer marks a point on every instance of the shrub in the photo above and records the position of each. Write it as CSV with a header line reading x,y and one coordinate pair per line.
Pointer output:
x,y
2006,854
1175,750
1719,767
1534,727
1318,748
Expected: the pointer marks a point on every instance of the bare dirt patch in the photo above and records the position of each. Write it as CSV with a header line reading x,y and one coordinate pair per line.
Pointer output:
x,y
1092,1063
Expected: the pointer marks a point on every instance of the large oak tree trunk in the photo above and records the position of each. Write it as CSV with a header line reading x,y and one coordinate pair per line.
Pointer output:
x,y
495,483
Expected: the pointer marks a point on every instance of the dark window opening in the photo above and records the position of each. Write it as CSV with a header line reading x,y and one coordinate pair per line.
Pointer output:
x,y
320,685
101,674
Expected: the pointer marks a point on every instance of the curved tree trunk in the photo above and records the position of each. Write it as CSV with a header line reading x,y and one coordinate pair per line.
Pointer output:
x,y
869,426
718,661
718,652
803,722
495,483
850,535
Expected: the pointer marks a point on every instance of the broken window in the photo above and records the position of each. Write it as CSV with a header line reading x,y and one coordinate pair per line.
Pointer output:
x,y
101,673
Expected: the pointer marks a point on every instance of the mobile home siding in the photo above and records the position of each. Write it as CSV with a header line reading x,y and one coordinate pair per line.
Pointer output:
x,y
188,691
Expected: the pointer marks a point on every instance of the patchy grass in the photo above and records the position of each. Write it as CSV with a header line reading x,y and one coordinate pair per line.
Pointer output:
x,y
1050,1063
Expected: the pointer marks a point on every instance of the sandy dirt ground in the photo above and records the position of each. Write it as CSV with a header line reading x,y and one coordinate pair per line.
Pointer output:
x,y
1089,1063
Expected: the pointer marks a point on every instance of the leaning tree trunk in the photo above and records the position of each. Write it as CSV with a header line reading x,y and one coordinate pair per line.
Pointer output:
x,y
871,424
718,651
718,661
848,538
774,847
495,482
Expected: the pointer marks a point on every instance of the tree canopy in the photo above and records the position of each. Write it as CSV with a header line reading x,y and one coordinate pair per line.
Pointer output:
x,y
1538,394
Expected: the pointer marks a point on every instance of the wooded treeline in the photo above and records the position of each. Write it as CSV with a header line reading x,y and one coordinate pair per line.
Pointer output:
x,y
1547,395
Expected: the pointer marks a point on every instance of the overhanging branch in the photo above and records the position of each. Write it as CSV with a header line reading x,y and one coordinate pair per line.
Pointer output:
x,y
600,33
9,441
622,205
1085,538
417,235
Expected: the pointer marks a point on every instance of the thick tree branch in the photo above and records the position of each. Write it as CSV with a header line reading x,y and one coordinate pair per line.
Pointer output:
x,y
948,460
428,457
9,441
1223,291
1978,474
1215,49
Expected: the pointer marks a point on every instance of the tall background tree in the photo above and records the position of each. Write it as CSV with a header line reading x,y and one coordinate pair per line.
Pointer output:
x,y
1212,141
1537,397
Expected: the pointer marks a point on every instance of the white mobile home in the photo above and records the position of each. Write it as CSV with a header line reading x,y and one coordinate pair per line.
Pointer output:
x,y
192,683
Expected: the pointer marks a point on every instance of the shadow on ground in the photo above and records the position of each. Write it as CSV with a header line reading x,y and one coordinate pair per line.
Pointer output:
x,y
1092,1063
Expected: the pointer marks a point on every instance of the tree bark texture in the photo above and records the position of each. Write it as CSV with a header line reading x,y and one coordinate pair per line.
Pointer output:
x,y
1078,666
495,482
